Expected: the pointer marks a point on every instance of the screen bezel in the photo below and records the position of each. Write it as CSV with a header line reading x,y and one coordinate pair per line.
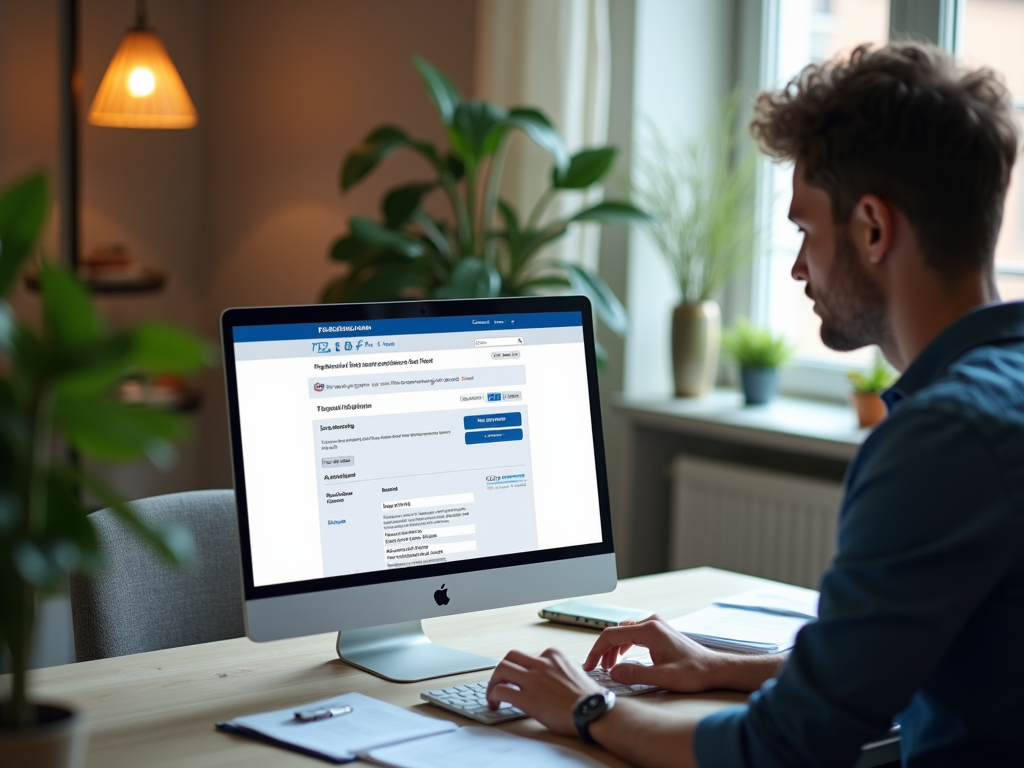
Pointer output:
x,y
337,313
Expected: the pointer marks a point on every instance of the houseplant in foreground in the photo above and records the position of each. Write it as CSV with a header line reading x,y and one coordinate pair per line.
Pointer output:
x,y
759,353
867,389
58,379
701,198
485,248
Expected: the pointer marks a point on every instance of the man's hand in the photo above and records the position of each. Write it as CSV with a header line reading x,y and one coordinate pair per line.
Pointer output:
x,y
545,687
680,664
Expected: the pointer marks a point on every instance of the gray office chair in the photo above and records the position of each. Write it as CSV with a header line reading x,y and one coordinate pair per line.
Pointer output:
x,y
139,603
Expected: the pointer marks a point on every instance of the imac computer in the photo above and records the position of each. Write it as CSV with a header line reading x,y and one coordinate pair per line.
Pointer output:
x,y
399,461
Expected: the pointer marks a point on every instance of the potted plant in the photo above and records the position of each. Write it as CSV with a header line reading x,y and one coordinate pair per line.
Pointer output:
x,y
58,379
867,389
485,248
759,353
700,195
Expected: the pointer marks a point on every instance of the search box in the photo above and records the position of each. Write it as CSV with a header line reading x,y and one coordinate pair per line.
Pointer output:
x,y
500,341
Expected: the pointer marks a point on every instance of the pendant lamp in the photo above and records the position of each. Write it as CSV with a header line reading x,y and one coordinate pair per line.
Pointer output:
x,y
141,88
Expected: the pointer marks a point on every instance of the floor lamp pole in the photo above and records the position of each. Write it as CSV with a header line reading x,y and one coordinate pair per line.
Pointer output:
x,y
70,97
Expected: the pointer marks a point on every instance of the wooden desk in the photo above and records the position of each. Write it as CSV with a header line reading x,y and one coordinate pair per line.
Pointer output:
x,y
159,708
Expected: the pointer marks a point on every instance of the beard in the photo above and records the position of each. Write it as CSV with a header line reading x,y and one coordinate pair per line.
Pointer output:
x,y
853,309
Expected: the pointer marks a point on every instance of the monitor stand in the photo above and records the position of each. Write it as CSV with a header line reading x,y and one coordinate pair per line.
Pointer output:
x,y
402,653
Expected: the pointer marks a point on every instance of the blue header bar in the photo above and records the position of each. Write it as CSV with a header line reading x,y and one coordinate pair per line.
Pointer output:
x,y
406,326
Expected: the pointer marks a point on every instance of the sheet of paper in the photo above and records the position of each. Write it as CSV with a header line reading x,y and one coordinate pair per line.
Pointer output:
x,y
783,599
370,724
478,747
742,626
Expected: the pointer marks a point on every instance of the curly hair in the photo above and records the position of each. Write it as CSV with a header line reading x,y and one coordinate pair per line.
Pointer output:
x,y
903,122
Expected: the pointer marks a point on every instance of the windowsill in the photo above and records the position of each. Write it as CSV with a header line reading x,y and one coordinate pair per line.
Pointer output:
x,y
788,423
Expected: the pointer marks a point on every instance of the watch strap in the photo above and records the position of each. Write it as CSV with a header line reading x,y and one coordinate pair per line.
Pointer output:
x,y
590,708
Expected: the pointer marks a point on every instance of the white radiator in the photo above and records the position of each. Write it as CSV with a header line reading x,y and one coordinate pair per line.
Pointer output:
x,y
768,524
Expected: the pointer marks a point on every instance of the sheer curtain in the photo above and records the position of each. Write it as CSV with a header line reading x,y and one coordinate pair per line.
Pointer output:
x,y
554,55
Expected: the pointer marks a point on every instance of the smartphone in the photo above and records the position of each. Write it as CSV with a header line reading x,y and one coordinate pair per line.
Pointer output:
x,y
580,613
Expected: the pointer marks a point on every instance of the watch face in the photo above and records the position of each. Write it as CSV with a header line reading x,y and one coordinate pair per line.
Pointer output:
x,y
593,703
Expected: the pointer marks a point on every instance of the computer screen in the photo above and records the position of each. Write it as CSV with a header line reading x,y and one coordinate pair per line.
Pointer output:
x,y
379,444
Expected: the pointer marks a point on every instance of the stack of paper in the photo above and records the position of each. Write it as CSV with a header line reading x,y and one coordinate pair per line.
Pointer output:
x,y
477,747
371,724
762,620
390,736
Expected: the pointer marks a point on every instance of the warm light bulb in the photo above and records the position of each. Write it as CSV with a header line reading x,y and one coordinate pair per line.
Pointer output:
x,y
141,87
141,82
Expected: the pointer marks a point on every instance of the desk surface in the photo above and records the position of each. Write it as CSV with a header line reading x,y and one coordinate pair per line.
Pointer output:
x,y
159,708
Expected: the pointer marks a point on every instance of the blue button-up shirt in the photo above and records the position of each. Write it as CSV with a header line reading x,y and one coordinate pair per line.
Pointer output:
x,y
921,617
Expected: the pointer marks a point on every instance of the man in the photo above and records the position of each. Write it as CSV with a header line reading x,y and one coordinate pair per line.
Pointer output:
x,y
902,163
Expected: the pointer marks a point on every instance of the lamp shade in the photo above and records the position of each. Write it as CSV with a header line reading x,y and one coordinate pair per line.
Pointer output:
x,y
141,88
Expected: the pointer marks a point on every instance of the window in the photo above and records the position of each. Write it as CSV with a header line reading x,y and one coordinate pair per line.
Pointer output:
x,y
800,32
990,35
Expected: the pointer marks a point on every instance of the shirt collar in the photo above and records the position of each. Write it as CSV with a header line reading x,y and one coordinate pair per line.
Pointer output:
x,y
983,325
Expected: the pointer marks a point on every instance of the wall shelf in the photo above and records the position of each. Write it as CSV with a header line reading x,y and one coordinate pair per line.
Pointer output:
x,y
150,281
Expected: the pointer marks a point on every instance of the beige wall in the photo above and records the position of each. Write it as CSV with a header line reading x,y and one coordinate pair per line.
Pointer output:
x,y
242,209
297,84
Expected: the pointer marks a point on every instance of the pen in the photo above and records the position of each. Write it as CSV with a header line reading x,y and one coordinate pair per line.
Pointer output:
x,y
321,713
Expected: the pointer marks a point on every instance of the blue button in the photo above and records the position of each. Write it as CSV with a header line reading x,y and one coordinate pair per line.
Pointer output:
x,y
484,420
493,436
494,397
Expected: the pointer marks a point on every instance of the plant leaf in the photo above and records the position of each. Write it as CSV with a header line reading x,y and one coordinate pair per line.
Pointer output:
x,y
456,167
606,303
106,429
70,315
545,281
378,145
442,91
94,368
22,213
612,212
374,235
537,126
7,325
471,130
160,348
585,168
401,203
472,278
348,248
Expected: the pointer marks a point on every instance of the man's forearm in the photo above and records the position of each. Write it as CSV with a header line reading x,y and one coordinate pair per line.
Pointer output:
x,y
744,673
647,735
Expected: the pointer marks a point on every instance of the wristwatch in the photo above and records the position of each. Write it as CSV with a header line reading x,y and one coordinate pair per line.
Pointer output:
x,y
590,708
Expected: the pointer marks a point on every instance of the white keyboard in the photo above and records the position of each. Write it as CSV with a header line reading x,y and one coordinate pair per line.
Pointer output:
x,y
470,699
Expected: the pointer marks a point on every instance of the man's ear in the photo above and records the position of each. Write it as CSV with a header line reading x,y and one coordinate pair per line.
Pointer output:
x,y
871,227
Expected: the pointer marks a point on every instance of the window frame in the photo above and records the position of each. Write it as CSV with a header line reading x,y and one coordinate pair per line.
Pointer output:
x,y
938,21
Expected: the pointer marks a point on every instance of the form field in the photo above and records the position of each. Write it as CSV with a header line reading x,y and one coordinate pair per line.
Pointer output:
x,y
428,501
449,530
500,341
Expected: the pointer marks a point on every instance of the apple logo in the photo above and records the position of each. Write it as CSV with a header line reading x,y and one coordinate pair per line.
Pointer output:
x,y
441,596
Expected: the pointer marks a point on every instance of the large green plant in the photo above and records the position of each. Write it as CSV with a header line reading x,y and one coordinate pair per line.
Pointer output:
x,y
58,380
485,249
701,196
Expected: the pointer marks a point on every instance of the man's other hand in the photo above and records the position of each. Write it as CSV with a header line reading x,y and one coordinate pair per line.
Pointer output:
x,y
545,687
680,664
